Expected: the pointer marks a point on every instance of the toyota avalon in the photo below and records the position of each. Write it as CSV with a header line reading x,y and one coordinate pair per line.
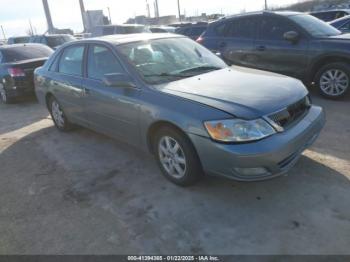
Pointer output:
x,y
169,95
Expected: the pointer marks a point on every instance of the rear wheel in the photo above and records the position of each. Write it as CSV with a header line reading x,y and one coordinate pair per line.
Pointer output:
x,y
333,80
177,157
58,116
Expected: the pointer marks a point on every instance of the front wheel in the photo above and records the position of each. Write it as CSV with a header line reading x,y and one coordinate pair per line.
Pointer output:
x,y
333,80
177,157
58,116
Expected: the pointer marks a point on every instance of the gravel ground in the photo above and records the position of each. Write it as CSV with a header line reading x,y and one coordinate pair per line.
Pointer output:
x,y
83,193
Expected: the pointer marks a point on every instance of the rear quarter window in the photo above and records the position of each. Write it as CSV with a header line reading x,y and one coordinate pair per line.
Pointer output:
x,y
220,29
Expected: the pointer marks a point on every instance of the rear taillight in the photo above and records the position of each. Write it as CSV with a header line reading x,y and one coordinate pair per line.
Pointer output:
x,y
200,40
16,72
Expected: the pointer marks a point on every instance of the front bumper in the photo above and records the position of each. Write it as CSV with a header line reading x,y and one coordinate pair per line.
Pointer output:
x,y
276,154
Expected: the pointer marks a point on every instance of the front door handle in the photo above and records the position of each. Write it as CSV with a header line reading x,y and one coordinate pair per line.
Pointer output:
x,y
86,91
261,48
222,44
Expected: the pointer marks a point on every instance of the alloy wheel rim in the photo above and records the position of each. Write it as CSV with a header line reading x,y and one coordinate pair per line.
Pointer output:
x,y
172,157
3,93
57,114
334,82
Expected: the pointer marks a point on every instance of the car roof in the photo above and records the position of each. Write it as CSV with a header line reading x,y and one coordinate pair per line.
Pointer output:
x,y
163,27
194,25
280,13
121,25
51,35
130,38
4,47
331,10
14,37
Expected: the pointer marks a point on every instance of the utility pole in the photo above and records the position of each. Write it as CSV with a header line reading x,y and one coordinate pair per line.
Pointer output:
x,y
265,4
109,14
148,10
3,32
156,8
179,10
83,16
31,27
48,17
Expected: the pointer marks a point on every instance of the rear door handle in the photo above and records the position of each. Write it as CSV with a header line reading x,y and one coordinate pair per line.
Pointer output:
x,y
261,48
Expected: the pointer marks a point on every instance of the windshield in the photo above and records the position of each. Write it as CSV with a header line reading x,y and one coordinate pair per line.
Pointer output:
x,y
166,60
54,41
21,53
315,26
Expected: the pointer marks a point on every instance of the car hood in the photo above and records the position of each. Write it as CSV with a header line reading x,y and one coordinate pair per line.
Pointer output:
x,y
344,37
242,92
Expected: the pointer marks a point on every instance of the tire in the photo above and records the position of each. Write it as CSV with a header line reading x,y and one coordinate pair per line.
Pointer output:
x,y
58,116
3,95
184,158
333,80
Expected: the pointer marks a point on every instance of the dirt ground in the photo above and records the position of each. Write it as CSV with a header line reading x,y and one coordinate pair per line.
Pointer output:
x,y
83,193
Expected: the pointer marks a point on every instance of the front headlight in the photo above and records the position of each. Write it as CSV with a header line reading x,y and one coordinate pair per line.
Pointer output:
x,y
237,130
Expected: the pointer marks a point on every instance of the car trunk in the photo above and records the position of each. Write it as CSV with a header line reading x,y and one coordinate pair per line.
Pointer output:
x,y
28,66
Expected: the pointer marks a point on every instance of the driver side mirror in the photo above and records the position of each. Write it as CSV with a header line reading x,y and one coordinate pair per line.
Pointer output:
x,y
292,37
118,80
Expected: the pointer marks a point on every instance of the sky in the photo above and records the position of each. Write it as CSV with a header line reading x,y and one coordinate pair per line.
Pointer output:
x,y
16,14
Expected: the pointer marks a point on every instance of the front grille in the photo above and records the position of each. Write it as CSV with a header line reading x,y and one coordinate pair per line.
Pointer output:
x,y
292,114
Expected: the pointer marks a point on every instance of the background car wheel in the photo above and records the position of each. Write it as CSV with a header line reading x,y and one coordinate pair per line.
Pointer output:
x,y
3,95
333,80
177,157
58,116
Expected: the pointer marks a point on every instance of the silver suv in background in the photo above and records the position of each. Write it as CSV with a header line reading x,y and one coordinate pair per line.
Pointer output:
x,y
119,30
53,41
18,40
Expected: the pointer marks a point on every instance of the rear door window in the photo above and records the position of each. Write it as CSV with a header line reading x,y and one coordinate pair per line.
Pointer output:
x,y
71,61
241,28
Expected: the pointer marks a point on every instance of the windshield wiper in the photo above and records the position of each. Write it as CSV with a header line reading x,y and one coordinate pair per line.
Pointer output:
x,y
200,68
179,75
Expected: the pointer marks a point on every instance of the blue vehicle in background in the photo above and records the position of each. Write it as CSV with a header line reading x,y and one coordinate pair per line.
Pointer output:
x,y
192,31
330,15
289,43
342,24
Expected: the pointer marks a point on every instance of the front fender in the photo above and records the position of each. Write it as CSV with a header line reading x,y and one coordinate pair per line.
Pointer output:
x,y
185,114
